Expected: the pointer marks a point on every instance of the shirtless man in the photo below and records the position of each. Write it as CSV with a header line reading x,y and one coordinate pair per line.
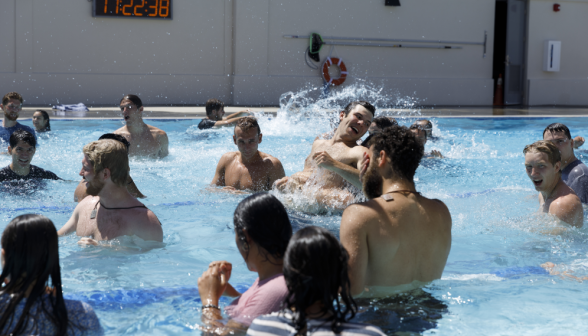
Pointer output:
x,y
340,157
423,130
215,111
247,169
398,237
145,140
114,213
543,165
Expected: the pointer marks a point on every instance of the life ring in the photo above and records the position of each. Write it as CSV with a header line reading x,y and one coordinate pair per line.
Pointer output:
x,y
338,62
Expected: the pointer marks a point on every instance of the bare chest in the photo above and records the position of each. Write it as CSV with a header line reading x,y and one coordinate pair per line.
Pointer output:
x,y
252,177
144,144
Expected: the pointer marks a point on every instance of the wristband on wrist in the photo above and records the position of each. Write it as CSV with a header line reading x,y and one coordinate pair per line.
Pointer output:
x,y
210,306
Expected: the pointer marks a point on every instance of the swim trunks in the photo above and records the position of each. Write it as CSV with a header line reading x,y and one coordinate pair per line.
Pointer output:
x,y
206,124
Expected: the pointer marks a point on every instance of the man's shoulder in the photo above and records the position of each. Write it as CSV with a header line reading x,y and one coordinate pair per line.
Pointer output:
x,y
206,123
24,127
272,159
362,213
229,156
156,131
122,131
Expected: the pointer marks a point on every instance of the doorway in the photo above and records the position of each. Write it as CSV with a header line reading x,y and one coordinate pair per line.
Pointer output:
x,y
510,24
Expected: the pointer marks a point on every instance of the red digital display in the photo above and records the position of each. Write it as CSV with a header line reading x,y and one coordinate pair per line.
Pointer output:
x,y
156,9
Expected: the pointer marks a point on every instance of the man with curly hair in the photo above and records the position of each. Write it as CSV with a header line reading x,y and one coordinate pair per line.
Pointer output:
x,y
409,235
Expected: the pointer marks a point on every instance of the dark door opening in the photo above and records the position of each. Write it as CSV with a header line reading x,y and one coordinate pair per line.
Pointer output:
x,y
499,44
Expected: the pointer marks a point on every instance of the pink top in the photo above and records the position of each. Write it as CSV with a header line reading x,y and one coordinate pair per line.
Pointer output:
x,y
262,298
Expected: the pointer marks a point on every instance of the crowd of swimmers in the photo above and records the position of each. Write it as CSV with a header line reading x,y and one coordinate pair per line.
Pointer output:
x,y
392,238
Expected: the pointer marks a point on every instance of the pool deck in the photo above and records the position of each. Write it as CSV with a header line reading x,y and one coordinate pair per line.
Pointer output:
x,y
198,112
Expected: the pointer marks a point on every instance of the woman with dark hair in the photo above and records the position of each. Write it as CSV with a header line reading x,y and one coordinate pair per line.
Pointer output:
x,y
27,305
41,121
319,298
262,232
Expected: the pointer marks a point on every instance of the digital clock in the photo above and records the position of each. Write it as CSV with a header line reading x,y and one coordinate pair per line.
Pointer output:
x,y
154,9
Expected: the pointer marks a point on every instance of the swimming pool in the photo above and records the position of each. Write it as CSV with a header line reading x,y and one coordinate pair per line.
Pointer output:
x,y
491,284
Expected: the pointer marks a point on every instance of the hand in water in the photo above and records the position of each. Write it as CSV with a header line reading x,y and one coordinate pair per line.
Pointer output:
x,y
213,283
364,166
578,142
88,241
436,153
232,190
323,159
281,183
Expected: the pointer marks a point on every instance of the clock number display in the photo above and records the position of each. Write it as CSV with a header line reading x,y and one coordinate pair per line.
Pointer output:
x,y
133,8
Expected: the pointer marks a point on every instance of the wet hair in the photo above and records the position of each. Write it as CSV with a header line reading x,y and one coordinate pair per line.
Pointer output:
x,y
247,123
365,104
22,135
11,95
31,257
402,148
213,104
383,122
316,269
428,127
46,117
134,99
266,221
116,137
547,147
557,127
109,154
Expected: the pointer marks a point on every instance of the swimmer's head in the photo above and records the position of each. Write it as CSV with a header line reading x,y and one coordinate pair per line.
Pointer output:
x,y
422,129
108,154
543,164
22,149
316,270
403,153
41,121
379,123
559,135
131,107
116,137
215,109
24,136
261,219
30,256
247,136
355,120
11,105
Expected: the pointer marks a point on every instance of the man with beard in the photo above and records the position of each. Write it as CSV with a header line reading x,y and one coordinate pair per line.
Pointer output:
x,y
398,237
340,157
12,105
145,140
115,212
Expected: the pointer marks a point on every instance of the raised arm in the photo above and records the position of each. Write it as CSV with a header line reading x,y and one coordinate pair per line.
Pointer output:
x,y
243,113
354,239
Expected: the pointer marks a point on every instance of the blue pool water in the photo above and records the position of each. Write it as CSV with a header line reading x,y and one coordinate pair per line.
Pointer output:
x,y
492,284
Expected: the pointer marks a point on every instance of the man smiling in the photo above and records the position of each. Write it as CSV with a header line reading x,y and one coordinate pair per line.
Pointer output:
x,y
543,165
340,157
22,149
248,168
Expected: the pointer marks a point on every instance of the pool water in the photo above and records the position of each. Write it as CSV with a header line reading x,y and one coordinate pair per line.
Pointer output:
x,y
492,284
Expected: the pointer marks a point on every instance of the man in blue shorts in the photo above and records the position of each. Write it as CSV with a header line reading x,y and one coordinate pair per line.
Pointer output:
x,y
573,172
12,105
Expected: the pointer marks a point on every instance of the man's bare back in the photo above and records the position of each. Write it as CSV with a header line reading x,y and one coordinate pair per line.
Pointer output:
x,y
111,223
406,239
256,175
152,142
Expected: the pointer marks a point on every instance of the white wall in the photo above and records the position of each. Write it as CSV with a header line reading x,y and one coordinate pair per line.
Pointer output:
x,y
234,50
569,86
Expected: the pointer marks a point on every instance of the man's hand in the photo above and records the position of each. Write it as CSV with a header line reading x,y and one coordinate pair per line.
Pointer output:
x,y
234,190
324,160
436,153
578,142
281,183
213,283
87,242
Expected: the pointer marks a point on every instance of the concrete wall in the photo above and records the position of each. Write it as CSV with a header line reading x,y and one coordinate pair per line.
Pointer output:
x,y
569,86
55,51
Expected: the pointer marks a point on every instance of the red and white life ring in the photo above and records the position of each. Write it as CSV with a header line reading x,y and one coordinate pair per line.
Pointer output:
x,y
343,69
